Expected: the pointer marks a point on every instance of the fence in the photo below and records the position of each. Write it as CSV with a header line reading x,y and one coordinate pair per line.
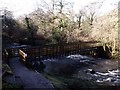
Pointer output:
x,y
57,50
52,50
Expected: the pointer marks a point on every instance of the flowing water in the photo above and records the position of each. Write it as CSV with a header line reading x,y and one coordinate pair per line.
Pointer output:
x,y
105,70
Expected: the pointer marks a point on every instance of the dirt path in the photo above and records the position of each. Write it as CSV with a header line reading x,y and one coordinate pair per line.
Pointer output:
x,y
26,77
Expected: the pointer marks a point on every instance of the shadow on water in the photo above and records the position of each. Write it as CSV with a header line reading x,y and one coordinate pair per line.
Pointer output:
x,y
73,71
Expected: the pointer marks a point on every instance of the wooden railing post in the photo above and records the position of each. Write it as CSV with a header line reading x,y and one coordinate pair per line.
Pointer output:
x,y
23,55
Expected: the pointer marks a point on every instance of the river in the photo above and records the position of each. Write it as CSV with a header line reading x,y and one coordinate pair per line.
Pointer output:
x,y
102,71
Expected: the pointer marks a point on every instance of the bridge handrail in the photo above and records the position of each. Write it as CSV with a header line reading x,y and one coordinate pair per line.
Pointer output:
x,y
50,49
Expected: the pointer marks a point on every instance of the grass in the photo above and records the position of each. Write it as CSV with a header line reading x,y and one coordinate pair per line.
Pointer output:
x,y
58,81
62,82
8,86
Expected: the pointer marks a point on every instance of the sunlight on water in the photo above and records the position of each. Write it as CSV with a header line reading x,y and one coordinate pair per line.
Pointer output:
x,y
50,60
112,76
77,57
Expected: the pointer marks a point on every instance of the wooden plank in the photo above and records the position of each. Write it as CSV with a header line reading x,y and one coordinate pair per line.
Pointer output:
x,y
54,49
22,55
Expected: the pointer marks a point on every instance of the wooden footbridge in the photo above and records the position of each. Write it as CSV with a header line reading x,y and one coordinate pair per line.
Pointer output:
x,y
28,54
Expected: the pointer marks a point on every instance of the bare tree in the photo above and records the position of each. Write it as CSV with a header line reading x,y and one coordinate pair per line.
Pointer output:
x,y
8,23
79,18
91,11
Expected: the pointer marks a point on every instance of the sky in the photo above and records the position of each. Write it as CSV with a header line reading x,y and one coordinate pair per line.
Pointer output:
x,y
21,7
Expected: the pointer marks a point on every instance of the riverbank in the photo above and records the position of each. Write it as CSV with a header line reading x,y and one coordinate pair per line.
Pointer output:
x,y
25,77
68,72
